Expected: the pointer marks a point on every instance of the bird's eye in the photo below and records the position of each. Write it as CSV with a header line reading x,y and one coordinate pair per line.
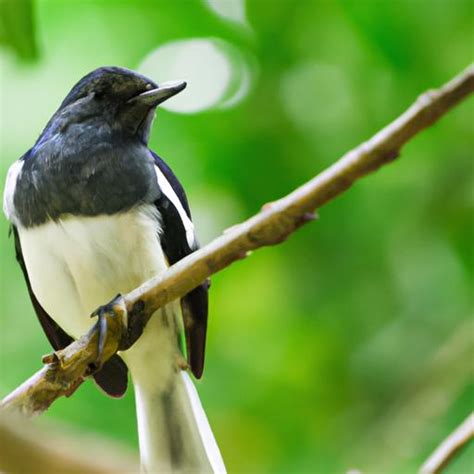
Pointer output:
x,y
98,95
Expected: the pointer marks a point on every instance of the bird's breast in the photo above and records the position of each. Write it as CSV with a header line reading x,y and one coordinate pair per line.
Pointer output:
x,y
77,263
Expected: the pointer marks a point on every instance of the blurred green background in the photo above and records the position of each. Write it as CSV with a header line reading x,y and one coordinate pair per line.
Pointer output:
x,y
349,346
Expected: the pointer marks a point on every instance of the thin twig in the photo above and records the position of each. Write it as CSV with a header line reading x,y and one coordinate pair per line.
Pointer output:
x,y
449,447
275,222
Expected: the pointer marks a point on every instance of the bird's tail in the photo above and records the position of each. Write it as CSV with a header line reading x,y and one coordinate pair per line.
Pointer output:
x,y
174,434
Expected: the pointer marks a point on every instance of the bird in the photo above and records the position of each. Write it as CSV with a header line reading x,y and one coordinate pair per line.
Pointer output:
x,y
95,212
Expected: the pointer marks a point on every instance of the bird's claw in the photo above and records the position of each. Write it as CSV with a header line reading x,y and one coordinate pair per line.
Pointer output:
x,y
102,315
112,323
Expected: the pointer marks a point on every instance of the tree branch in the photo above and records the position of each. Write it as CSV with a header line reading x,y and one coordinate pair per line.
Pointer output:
x,y
64,370
449,447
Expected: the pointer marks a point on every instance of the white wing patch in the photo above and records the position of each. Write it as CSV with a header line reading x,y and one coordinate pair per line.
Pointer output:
x,y
10,185
166,188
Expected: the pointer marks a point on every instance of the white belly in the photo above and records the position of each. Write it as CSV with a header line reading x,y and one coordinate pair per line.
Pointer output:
x,y
79,263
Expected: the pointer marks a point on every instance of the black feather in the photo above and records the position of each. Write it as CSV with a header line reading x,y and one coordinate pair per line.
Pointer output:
x,y
175,246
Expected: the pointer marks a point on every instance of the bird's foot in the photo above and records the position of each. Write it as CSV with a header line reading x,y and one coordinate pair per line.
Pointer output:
x,y
137,320
112,326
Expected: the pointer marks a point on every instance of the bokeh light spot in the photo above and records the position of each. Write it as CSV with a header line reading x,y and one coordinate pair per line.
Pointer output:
x,y
233,10
212,68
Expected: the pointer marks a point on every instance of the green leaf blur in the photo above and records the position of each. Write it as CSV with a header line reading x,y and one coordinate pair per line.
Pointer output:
x,y
350,345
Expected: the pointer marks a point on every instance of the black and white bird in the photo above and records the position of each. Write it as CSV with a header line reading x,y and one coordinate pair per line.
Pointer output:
x,y
95,212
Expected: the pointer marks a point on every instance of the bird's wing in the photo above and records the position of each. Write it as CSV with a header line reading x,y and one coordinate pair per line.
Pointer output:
x,y
113,377
178,240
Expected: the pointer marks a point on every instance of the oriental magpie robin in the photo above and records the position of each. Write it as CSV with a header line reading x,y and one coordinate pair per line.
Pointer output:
x,y
95,212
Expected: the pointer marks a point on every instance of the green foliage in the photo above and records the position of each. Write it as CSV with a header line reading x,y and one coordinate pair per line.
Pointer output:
x,y
319,349
17,28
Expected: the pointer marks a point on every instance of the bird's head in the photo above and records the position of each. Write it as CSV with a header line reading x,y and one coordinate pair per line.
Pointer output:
x,y
123,99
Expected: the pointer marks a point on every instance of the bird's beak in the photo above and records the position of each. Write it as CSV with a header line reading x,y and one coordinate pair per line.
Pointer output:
x,y
154,97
